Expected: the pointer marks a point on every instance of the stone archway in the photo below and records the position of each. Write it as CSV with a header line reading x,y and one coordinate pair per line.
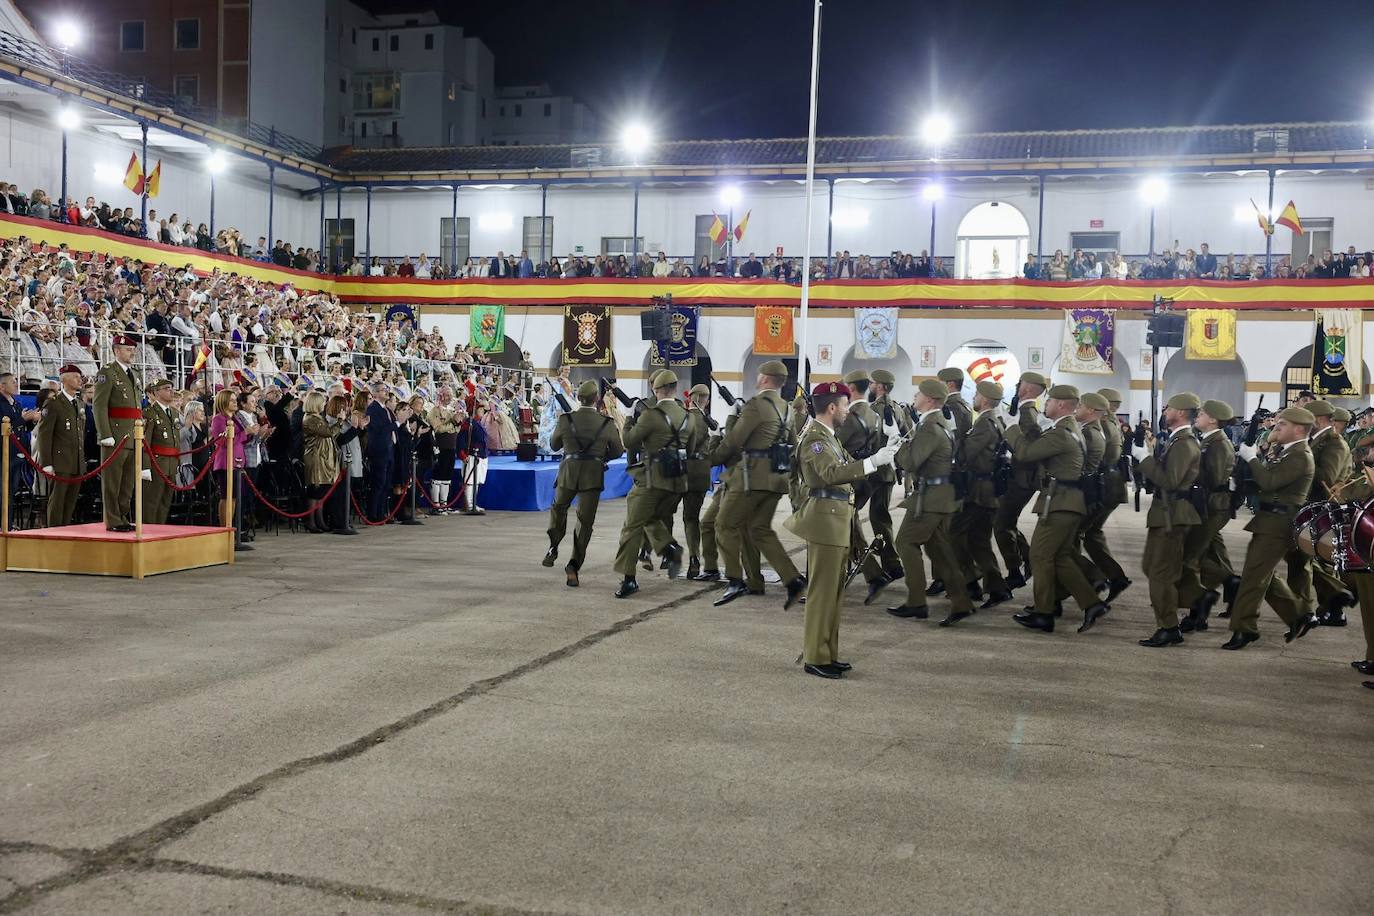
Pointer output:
x,y
991,242
1297,376
982,358
580,374
899,366
1209,379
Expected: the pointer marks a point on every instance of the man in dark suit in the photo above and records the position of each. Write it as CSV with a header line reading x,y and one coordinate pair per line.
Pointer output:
x,y
1207,264
381,447
499,268
751,268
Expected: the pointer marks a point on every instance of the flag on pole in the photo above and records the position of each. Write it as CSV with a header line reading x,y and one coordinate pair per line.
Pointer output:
x,y
1211,334
1289,218
155,179
717,231
741,226
133,175
1265,226
487,330
773,331
1337,357
1089,341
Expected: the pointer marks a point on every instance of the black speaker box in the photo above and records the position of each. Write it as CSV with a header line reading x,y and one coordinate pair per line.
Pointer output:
x,y
655,325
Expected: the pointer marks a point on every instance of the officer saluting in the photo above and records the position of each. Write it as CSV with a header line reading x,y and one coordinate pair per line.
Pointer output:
x,y
824,522
162,436
588,439
116,410
61,436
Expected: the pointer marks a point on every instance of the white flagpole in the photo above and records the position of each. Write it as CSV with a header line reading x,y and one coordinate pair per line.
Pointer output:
x,y
802,378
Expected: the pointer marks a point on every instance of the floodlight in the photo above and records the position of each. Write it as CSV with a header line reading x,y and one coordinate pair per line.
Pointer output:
x,y
937,128
1153,190
68,118
933,191
68,33
729,195
216,163
636,138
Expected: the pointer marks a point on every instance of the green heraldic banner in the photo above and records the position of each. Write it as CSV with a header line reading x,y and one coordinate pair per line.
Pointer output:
x,y
587,335
488,329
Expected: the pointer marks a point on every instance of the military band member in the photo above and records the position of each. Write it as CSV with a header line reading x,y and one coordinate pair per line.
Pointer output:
x,y
116,409
1058,453
929,460
824,522
1284,479
162,436
858,434
1206,564
1105,566
1311,581
1025,478
882,483
981,447
1361,490
699,480
755,485
1172,469
61,437
589,440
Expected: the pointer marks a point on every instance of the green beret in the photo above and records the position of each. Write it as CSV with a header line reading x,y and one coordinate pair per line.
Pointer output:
x,y
1321,408
775,368
1185,400
664,378
1095,401
935,390
1035,378
883,377
1218,410
158,383
588,390
1111,394
1061,392
700,391
858,375
1340,414
990,390
951,374
1297,415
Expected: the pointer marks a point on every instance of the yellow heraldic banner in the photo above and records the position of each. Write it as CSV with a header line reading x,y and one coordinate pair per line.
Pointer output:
x,y
1211,334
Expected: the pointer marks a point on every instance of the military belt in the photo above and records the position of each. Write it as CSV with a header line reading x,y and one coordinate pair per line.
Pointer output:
x,y
758,452
988,476
124,413
829,493
696,456
935,481
1076,483
582,456
1224,488
1277,508
164,451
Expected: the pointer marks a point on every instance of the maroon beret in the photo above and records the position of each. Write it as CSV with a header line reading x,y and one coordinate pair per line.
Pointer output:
x,y
68,368
830,388
124,340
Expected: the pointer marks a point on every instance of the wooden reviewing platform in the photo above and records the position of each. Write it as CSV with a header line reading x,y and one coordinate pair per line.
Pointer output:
x,y
90,550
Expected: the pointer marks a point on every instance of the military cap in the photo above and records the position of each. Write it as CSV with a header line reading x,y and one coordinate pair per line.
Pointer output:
x,y
933,389
158,383
990,390
774,367
700,391
664,378
1218,410
1095,401
1185,400
1321,408
70,367
1062,392
858,375
124,340
1111,394
1340,415
588,389
883,377
951,374
831,389
1035,378
1297,415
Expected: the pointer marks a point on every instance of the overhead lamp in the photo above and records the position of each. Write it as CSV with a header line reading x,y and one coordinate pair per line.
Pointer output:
x,y
68,33
217,162
637,139
730,195
933,191
68,118
937,128
1153,190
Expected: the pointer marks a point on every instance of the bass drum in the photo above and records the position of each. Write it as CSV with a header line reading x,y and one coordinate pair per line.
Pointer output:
x,y
1313,523
1362,536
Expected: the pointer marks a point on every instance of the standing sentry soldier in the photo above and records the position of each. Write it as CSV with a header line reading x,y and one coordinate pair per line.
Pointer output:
x,y
1021,486
1206,564
1105,566
61,437
699,480
116,410
589,439
1311,580
757,438
882,483
162,436
824,522
980,449
858,432
1172,470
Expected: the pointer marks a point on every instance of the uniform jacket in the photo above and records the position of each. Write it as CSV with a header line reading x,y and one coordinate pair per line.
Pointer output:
x,y
859,432
1173,473
1025,474
930,455
1111,459
585,432
699,467
1058,452
1286,479
887,473
116,389
1094,447
963,415
1331,456
1218,463
661,426
980,458
61,435
754,430
824,464
162,435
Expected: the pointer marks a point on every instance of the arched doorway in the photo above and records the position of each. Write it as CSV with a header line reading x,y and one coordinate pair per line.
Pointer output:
x,y
992,242
1297,376
580,374
509,356
1219,379
985,359
1120,379
687,375
899,366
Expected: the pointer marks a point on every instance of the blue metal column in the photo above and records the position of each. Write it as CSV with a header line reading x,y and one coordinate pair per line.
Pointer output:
x,y
143,198
367,257
212,208
453,232
337,259
634,237
62,204
543,223
1039,226
1269,236
271,195
1152,230
829,227
322,248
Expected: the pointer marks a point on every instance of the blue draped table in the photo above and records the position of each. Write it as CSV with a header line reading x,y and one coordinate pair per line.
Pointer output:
x,y
527,486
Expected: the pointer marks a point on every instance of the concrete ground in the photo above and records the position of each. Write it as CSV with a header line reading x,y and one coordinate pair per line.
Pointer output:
x,y
425,719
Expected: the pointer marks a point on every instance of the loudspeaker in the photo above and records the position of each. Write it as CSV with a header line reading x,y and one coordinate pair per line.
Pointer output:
x,y
655,324
526,451
1164,330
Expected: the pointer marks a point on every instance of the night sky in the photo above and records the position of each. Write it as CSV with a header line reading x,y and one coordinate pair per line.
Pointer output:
x,y
710,69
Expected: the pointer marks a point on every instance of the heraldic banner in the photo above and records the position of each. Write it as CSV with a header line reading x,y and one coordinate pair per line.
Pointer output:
x,y
681,348
487,329
586,335
875,333
1211,334
773,331
1337,357
1089,336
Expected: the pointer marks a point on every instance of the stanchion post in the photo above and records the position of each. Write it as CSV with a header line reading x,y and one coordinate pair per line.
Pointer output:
x,y
414,485
4,493
229,486
138,499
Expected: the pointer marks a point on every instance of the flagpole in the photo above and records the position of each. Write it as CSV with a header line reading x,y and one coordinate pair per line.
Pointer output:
x,y
802,375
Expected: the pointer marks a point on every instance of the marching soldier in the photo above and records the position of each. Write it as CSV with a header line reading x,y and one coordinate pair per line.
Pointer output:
x,y
858,433
1058,452
1361,490
1172,469
1105,567
699,480
1206,563
980,449
1021,487
929,459
663,435
824,522
962,417
1284,480
1311,581
760,441
1091,407
881,485
162,436
116,409
589,440
953,377
61,441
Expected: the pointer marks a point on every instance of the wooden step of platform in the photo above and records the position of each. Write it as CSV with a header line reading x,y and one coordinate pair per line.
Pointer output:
x,y
91,550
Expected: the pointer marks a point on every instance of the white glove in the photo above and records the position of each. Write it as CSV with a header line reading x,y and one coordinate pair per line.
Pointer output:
x,y
1139,452
108,442
891,431
147,475
1247,452
47,469
739,406
885,455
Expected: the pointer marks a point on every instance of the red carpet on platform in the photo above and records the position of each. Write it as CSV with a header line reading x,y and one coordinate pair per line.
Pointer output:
x,y
93,551
97,532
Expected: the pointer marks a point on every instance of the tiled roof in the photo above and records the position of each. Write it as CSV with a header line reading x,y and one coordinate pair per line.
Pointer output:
x,y
1053,145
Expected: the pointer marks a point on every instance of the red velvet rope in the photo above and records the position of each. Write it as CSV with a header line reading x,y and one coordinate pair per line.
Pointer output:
x,y
282,512
462,485
57,478
390,515
195,482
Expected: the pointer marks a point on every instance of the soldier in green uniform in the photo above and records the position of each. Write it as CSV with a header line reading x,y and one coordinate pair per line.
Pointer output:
x,y
1171,469
1091,407
1361,490
1021,487
699,480
858,434
61,436
589,440
162,436
958,413
1058,453
929,459
754,447
116,410
882,483
1104,565
1313,582
1284,479
1206,563
824,522
980,450
663,434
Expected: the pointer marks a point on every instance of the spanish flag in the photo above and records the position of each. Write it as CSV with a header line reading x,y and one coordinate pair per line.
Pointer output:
x,y
1289,218
133,175
155,179
717,231
741,226
1265,226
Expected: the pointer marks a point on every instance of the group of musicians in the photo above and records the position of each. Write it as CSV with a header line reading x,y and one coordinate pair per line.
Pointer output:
x,y
967,472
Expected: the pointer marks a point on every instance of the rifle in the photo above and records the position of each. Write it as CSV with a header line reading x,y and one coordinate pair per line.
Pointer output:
x,y
558,395
1138,439
725,394
625,400
1241,470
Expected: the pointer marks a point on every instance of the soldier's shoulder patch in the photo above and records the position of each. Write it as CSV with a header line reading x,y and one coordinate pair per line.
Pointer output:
x,y
817,447
44,411
100,379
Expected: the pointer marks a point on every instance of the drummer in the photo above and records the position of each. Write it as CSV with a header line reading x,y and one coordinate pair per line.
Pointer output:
x,y
1314,583
1361,490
